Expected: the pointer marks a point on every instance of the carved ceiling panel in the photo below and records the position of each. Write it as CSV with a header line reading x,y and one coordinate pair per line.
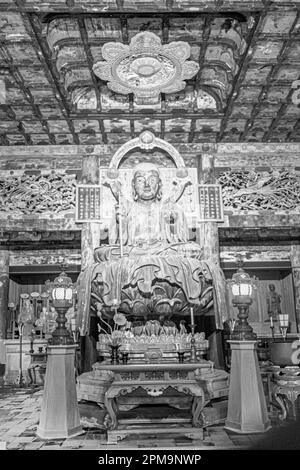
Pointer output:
x,y
65,85
146,68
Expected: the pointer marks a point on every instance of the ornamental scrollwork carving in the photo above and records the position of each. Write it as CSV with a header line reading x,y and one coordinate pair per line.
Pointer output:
x,y
252,190
34,194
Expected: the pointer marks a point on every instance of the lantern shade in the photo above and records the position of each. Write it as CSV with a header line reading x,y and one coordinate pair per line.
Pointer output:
x,y
58,293
68,294
62,290
241,289
283,320
241,284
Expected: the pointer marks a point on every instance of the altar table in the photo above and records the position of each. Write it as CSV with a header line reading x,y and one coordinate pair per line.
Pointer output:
x,y
196,380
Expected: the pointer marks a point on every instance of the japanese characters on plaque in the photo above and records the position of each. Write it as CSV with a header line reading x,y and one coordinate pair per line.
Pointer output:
x,y
211,204
87,203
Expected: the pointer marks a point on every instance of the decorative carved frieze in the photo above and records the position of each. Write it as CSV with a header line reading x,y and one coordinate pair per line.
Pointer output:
x,y
252,190
51,194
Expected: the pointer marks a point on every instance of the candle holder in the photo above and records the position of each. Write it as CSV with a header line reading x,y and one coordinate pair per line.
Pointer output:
x,y
20,380
124,356
114,355
231,322
32,335
193,357
272,329
180,355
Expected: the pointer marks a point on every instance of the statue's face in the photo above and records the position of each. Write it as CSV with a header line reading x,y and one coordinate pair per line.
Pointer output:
x,y
146,184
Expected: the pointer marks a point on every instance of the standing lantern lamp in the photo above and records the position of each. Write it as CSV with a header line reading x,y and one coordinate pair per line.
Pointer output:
x,y
60,414
247,409
62,299
242,286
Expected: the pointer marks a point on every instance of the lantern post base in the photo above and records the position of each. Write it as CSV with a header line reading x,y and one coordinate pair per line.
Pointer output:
x,y
243,331
61,335
247,410
59,413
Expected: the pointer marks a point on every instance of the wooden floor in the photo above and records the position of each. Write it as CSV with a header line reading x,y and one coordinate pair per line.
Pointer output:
x,y
19,416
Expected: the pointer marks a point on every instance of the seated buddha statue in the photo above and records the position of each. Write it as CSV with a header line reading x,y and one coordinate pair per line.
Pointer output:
x,y
150,268
149,224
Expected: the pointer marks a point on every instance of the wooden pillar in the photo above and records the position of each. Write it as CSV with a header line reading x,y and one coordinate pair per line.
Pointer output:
x,y
295,264
209,240
4,287
90,232
90,239
208,231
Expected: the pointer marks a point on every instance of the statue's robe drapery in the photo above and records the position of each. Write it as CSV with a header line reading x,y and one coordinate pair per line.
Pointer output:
x,y
160,221
156,253
190,274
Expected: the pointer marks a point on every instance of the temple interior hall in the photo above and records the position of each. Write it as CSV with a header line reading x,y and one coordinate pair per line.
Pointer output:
x,y
149,225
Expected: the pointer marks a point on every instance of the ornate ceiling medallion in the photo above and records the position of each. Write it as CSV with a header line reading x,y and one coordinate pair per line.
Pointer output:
x,y
146,67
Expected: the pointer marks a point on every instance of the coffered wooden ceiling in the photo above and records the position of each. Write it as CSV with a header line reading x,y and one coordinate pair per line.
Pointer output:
x,y
248,55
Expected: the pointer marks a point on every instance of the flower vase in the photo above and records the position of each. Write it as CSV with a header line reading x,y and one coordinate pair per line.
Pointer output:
x,y
114,355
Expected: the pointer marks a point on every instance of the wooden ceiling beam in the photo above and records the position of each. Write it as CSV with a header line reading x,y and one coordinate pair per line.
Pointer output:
x,y
295,133
61,9
286,44
90,61
264,90
251,40
32,23
148,114
203,47
28,96
192,131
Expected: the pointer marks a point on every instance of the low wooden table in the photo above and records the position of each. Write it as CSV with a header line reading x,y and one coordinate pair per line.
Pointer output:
x,y
191,379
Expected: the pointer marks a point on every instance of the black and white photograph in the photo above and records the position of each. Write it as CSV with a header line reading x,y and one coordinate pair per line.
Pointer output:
x,y
149,230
